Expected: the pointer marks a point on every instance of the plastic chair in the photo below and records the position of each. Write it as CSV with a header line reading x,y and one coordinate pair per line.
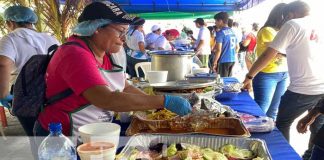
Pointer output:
x,y
145,66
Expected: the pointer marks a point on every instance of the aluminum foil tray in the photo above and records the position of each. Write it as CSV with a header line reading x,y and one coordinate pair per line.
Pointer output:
x,y
213,142
219,126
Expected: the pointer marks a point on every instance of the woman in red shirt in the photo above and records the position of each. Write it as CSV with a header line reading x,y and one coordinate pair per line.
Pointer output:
x,y
98,84
250,42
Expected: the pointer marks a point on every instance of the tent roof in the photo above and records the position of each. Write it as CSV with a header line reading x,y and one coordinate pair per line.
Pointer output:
x,y
191,6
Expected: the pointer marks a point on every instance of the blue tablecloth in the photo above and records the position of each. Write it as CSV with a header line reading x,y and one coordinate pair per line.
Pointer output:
x,y
278,146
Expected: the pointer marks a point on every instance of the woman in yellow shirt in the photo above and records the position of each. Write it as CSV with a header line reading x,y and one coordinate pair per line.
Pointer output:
x,y
271,83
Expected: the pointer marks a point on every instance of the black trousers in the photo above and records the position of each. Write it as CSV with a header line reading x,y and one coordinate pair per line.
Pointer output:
x,y
225,69
28,124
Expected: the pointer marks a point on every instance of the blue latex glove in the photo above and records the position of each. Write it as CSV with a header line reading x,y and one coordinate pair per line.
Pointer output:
x,y
5,101
177,105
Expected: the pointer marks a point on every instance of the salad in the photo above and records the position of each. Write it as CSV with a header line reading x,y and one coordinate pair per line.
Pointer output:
x,y
183,151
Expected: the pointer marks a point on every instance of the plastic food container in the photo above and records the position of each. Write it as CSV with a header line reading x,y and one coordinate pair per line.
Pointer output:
x,y
100,132
97,150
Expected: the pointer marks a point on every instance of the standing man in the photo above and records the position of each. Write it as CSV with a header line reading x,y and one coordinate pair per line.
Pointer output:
x,y
226,46
152,37
298,40
202,44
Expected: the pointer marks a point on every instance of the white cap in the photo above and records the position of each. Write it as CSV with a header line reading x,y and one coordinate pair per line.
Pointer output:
x,y
155,27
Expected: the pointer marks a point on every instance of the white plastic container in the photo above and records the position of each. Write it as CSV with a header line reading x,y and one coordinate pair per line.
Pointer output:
x,y
100,132
156,76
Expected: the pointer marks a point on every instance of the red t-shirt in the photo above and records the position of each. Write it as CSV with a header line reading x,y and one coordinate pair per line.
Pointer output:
x,y
252,44
75,68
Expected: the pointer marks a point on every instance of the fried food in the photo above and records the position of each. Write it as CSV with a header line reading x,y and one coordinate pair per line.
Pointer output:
x,y
161,115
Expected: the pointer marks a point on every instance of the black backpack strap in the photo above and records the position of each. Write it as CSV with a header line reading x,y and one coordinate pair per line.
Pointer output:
x,y
52,48
66,92
58,96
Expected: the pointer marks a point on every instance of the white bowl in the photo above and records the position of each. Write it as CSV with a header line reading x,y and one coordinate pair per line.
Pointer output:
x,y
156,76
200,70
100,132
97,150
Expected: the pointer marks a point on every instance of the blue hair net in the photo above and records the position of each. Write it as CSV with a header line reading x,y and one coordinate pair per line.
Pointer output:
x,y
20,14
87,28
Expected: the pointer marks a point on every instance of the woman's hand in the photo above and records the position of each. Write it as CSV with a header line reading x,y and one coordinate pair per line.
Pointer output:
x,y
247,84
177,105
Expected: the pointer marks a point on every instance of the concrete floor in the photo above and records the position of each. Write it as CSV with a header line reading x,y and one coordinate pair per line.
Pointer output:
x,y
15,144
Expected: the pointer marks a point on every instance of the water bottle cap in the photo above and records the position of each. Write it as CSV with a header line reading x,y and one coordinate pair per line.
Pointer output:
x,y
55,127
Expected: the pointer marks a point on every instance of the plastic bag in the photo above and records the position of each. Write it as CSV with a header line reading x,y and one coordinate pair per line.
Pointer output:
x,y
257,123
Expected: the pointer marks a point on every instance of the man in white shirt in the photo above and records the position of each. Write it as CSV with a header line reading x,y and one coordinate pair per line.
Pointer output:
x,y
152,37
300,40
202,44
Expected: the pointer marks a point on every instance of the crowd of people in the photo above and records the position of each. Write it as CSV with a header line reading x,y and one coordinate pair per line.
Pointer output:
x,y
282,57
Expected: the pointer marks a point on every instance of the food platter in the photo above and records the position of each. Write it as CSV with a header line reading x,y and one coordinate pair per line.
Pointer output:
x,y
145,142
219,126
180,85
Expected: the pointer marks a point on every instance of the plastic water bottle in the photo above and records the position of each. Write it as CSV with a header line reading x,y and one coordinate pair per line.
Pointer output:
x,y
56,146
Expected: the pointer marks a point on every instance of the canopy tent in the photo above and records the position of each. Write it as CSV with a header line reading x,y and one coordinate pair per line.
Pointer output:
x,y
182,9
177,15
189,6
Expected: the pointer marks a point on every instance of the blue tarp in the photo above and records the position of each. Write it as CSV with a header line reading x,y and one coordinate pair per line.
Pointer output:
x,y
189,6
149,6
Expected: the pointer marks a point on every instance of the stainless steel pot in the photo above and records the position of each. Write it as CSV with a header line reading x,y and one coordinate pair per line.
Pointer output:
x,y
177,63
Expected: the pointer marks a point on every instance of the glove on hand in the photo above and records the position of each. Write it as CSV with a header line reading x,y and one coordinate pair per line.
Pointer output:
x,y
177,105
6,101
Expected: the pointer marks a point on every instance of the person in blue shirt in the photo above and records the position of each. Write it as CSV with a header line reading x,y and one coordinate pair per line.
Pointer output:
x,y
226,46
